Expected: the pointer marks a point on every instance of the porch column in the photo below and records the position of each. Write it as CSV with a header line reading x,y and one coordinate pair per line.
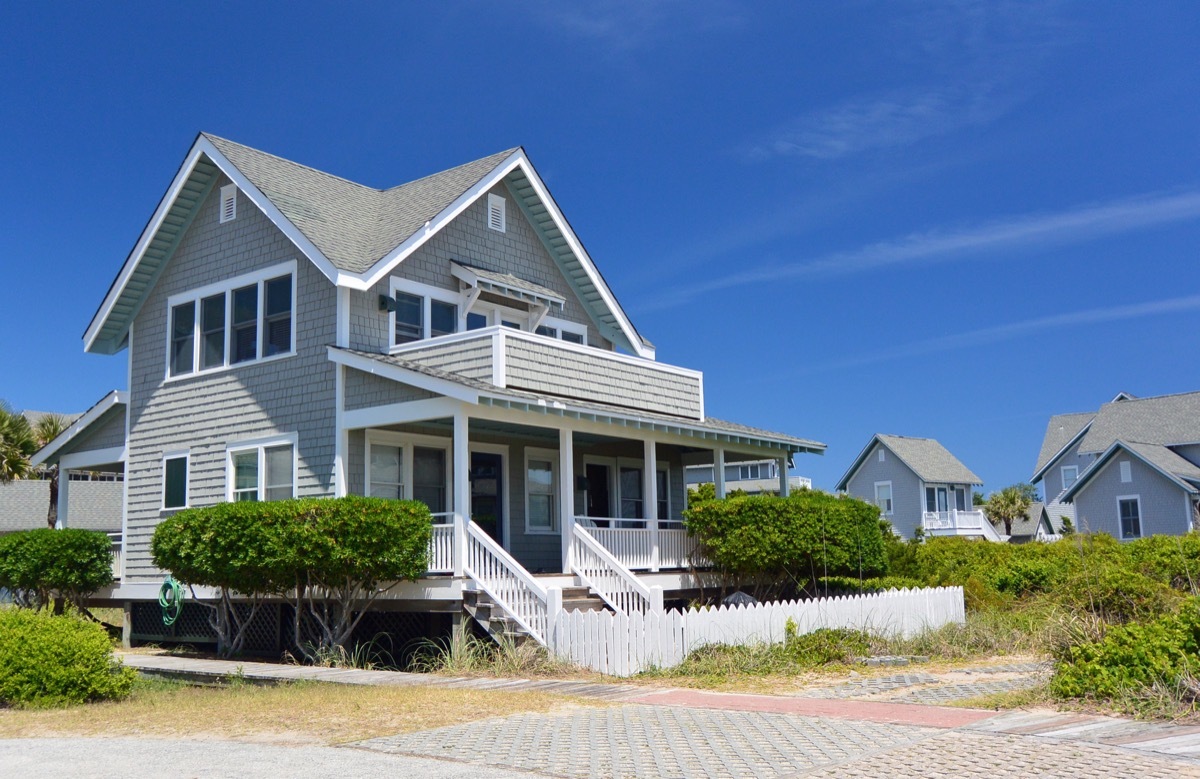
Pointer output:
x,y
783,477
719,471
462,490
650,490
64,481
566,493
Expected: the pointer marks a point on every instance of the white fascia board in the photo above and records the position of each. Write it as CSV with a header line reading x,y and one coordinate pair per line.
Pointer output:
x,y
393,258
394,372
204,147
92,458
1096,467
116,397
844,483
1042,471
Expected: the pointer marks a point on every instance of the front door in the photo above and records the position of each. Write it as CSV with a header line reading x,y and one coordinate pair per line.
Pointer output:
x,y
487,493
598,504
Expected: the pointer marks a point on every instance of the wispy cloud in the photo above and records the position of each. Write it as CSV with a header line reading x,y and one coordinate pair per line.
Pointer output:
x,y
1014,330
629,24
1027,232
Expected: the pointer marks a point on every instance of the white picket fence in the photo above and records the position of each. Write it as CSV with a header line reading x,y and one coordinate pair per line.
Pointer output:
x,y
626,644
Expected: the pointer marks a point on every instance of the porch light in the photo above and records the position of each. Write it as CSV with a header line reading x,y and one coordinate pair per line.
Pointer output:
x,y
387,303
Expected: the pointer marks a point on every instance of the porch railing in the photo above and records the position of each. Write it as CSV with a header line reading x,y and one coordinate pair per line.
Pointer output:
x,y
507,583
616,585
631,541
117,548
441,547
973,522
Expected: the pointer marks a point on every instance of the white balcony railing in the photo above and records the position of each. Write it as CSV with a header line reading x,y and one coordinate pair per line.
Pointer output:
x,y
631,541
963,523
117,548
441,549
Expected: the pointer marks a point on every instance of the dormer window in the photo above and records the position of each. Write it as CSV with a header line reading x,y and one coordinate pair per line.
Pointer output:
x,y
228,203
496,213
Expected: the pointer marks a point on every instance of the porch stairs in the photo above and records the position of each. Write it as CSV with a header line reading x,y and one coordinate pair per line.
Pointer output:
x,y
502,627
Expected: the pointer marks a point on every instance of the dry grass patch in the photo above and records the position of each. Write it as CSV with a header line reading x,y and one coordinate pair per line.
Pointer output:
x,y
303,712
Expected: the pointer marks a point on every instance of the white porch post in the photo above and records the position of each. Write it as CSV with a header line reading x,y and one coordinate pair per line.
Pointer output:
x,y
650,490
566,493
719,471
783,477
64,482
462,490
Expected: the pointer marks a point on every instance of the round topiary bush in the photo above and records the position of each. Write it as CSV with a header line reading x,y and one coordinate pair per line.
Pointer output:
x,y
48,660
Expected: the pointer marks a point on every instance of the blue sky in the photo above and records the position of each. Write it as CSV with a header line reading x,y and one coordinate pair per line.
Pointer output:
x,y
943,220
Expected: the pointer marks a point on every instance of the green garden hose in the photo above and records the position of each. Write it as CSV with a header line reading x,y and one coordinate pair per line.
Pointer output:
x,y
170,598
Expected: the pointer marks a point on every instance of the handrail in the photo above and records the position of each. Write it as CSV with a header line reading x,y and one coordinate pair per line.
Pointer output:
x,y
616,585
507,582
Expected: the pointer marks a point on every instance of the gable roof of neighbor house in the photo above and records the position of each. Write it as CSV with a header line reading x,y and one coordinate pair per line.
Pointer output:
x,y
925,457
353,233
1156,456
112,403
1168,420
1061,431
1026,527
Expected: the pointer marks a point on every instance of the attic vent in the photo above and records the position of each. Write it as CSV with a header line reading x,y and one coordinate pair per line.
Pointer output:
x,y
880,455
228,203
496,219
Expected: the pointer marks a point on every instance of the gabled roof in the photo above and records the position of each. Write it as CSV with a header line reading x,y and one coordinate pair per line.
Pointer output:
x,y
353,233
113,401
1062,431
1169,420
1027,526
1183,473
925,457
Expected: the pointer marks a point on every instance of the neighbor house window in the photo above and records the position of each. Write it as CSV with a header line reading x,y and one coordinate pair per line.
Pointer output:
x,y
259,472
175,477
1129,508
1069,474
541,504
883,496
241,320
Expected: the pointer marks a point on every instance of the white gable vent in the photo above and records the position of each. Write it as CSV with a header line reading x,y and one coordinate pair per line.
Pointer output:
x,y
495,215
228,203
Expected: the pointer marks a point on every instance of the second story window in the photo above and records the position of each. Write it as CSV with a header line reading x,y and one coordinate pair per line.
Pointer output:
x,y
242,320
422,311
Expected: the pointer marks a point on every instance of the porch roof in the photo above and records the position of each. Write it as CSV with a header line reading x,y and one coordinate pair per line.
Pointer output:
x,y
482,393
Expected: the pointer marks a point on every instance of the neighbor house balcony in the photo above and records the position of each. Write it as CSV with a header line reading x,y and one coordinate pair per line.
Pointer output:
x,y
959,523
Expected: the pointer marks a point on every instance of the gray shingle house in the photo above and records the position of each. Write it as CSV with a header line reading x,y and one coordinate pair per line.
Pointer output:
x,y
1130,469
916,482
450,340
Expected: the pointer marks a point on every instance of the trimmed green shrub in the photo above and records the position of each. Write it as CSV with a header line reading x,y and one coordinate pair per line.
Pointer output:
x,y
1130,658
40,565
48,660
779,543
842,584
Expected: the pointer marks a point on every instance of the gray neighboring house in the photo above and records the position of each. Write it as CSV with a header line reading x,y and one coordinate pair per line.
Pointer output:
x,y
753,477
1034,526
916,482
1131,469
292,333
89,497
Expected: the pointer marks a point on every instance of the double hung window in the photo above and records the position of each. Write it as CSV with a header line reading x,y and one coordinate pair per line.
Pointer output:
x,y
403,467
422,311
541,503
263,471
1129,509
883,497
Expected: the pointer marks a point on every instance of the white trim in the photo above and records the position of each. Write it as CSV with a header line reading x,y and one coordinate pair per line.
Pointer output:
x,y
406,442
556,522
450,389
1062,475
663,466
427,293
1038,475
226,287
891,497
176,454
400,413
1126,471
92,458
342,335
880,454
228,206
261,445
116,397
1120,529
497,205
341,442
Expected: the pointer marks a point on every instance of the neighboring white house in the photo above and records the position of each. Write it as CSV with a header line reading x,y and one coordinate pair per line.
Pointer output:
x,y
753,477
917,483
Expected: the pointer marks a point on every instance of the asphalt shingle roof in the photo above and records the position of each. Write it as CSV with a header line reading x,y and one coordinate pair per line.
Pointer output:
x,y
931,461
1166,460
353,225
1166,420
1059,432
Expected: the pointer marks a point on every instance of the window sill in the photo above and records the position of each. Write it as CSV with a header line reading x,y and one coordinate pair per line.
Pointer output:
x,y
227,368
530,531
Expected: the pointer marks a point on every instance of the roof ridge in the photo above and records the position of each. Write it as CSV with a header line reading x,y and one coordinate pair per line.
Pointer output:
x,y
325,173
1151,397
505,152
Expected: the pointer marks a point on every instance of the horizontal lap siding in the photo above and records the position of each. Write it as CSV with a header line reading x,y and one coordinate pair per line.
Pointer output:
x,y
907,501
205,413
108,432
365,390
1162,501
472,360
568,373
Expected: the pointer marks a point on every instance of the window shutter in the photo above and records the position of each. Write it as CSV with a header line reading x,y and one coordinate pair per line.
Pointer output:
x,y
228,203
496,216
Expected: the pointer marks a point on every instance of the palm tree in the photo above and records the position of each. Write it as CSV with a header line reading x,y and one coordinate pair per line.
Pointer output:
x,y
1009,505
46,429
17,444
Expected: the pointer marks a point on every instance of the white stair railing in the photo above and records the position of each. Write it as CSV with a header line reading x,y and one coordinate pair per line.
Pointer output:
x,y
507,583
616,585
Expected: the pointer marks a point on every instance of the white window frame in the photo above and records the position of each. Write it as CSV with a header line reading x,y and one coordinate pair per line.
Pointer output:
x,y
664,467
881,455
550,455
560,326
228,196
1126,471
176,454
505,452
499,205
406,442
195,296
261,445
1141,517
1063,475
891,498
427,293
